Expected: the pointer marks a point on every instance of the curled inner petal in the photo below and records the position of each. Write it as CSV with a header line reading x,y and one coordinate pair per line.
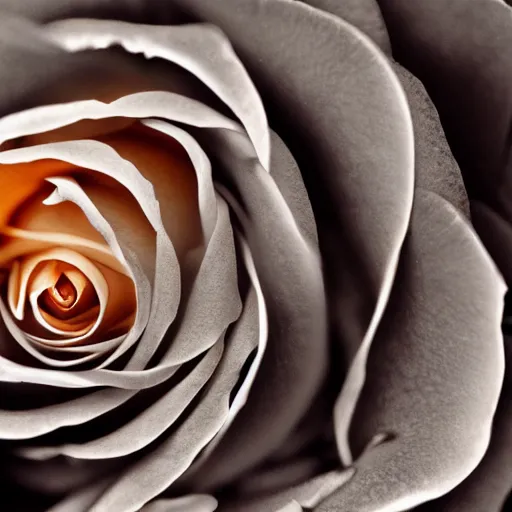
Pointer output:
x,y
63,298
60,297
63,294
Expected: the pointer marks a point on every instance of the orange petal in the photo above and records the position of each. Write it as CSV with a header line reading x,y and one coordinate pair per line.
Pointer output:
x,y
20,181
23,282
164,162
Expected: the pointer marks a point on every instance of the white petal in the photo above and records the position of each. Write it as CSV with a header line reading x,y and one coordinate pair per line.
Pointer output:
x,y
139,105
295,298
203,170
363,14
201,49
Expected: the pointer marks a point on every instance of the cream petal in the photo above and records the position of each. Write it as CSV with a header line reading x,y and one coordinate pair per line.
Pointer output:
x,y
78,336
135,251
78,326
96,277
22,181
151,423
165,164
26,242
340,93
203,171
139,105
99,157
120,304
36,214
429,366
190,503
84,129
13,372
201,49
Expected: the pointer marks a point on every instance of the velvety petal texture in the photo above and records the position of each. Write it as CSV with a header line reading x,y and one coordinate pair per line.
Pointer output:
x,y
237,264
195,352
459,51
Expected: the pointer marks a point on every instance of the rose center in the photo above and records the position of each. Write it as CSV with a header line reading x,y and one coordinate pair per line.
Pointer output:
x,y
63,293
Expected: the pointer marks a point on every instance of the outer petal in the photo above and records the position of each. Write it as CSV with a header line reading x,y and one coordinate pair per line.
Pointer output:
x,y
431,371
363,14
49,74
465,44
254,309
496,234
435,168
294,294
308,494
36,422
325,83
486,489
201,49
147,426
214,300
82,500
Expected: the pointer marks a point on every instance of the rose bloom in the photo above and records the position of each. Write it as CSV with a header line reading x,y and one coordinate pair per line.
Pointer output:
x,y
251,255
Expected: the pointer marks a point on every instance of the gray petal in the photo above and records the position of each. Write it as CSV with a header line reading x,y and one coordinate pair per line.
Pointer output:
x,y
436,364
365,15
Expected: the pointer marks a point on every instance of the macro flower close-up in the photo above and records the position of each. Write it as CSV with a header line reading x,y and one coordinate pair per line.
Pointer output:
x,y
254,255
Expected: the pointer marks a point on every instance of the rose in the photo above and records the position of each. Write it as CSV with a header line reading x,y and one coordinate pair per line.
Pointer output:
x,y
342,148
353,490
